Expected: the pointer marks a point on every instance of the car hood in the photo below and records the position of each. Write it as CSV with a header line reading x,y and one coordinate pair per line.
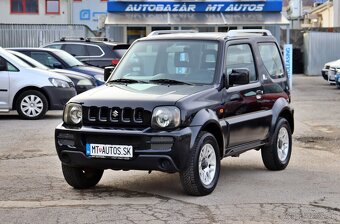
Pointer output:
x,y
136,95
334,63
90,70
72,74
47,73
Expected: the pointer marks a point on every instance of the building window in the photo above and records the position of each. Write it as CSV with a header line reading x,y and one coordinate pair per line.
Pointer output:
x,y
24,6
52,6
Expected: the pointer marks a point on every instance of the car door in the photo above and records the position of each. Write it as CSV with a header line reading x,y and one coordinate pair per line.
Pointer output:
x,y
247,121
4,84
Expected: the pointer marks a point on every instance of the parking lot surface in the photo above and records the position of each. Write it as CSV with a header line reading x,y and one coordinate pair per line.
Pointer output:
x,y
33,190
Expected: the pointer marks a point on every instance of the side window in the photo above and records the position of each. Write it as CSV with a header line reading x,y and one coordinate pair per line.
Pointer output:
x,y
3,64
271,58
240,56
45,58
76,49
94,50
6,66
55,46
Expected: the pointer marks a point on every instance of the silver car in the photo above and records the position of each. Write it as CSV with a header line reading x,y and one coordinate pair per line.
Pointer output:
x,y
31,91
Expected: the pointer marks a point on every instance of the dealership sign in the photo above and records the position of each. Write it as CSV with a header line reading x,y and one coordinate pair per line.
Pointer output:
x,y
188,6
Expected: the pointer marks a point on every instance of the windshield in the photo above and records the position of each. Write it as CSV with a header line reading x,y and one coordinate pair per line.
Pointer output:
x,y
68,59
170,61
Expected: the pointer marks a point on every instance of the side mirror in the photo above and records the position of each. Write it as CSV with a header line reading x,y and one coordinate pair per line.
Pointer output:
x,y
107,72
57,65
239,76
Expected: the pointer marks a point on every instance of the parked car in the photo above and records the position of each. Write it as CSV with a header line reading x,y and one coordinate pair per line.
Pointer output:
x,y
31,91
180,103
59,59
337,80
329,74
82,82
97,52
333,70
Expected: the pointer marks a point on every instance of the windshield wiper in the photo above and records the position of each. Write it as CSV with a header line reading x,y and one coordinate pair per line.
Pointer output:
x,y
126,81
169,81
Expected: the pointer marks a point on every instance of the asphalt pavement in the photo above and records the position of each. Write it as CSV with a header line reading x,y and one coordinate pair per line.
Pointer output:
x,y
33,190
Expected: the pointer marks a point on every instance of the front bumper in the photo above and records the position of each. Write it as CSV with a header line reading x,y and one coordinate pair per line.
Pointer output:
x,y
324,73
162,150
58,97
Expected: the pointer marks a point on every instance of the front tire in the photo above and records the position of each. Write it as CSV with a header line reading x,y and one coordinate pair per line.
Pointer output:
x,y
31,105
201,176
276,156
81,178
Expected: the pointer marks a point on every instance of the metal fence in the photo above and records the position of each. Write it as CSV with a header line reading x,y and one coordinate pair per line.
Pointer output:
x,y
319,48
34,35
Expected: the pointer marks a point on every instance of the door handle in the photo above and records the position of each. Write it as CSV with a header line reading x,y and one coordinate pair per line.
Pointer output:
x,y
259,94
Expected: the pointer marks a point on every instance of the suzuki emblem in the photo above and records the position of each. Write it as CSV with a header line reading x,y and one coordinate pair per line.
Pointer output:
x,y
115,113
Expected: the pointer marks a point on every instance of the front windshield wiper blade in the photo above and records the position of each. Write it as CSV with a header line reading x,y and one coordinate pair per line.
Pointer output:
x,y
169,81
126,81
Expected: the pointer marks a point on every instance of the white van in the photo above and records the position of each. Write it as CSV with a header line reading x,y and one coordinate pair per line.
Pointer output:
x,y
31,91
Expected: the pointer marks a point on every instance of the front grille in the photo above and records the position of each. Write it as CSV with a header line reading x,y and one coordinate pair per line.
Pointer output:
x,y
116,116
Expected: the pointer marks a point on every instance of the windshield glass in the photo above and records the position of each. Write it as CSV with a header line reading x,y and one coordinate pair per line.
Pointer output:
x,y
170,61
68,59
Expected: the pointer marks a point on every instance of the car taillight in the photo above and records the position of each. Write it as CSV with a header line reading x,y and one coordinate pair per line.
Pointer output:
x,y
115,61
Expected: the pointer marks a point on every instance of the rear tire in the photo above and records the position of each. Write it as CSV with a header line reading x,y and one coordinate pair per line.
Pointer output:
x,y
201,176
31,105
276,156
81,178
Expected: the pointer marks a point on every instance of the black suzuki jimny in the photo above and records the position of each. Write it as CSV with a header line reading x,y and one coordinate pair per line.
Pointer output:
x,y
181,102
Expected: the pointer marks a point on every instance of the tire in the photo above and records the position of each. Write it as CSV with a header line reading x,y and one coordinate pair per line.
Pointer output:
x,y
276,156
31,105
194,178
81,178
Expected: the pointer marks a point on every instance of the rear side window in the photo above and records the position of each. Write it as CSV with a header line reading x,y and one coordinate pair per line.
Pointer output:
x,y
272,60
76,49
94,50
54,46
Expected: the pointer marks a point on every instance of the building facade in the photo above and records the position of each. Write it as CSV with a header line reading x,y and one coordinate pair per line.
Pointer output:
x,y
128,20
35,11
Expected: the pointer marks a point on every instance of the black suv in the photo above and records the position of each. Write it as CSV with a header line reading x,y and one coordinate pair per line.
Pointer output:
x,y
99,52
181,103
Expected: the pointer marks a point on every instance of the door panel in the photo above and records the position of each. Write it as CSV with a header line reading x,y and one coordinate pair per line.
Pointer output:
x,y
248,121
4,89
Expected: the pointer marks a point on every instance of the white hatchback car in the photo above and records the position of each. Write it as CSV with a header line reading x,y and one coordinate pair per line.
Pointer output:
x,y
31,91
329,71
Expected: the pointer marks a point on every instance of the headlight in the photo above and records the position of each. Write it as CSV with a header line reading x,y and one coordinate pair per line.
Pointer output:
x,y
84,82
59,83
165,117
73,113
99,77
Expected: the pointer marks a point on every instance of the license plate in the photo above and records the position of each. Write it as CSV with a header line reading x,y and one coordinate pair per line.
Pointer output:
x,y
112,151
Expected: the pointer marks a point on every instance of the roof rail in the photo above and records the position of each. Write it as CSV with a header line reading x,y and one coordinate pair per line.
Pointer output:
x,y
248,32
71,38
160,32
97,38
